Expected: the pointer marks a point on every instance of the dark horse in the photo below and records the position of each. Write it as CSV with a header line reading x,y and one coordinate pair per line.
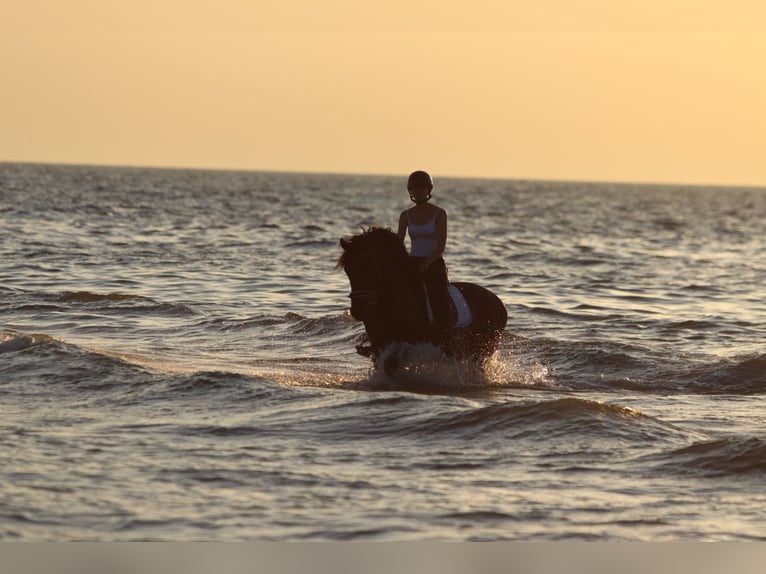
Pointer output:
x,y
387,294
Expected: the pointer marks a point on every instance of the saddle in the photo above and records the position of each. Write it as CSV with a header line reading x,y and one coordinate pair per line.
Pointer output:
x,y
460,312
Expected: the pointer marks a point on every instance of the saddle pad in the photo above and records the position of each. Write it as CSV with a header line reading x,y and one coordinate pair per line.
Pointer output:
x,y
464,316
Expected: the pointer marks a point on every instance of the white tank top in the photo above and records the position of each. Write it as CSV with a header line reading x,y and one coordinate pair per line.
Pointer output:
x,y
422,237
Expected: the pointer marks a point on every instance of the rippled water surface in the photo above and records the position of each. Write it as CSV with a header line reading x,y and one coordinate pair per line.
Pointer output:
x,y
177,363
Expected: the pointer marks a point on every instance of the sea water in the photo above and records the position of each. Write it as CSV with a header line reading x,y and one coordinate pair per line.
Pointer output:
x,y
177,363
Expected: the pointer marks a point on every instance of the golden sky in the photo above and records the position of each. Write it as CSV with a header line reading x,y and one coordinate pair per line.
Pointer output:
x,y
650,91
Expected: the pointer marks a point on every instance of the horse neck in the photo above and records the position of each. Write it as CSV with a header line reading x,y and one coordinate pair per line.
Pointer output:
x,y
396,272
406,316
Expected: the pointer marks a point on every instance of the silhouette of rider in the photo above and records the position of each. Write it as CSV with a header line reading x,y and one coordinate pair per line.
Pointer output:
x,y
426,224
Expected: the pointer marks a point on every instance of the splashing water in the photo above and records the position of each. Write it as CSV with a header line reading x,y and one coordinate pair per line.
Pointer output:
x,y
423,367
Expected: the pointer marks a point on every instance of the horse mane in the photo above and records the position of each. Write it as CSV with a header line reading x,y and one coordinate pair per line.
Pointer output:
x,y
377,240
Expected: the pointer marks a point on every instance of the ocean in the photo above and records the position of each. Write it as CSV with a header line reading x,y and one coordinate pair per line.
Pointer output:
x,y
177,363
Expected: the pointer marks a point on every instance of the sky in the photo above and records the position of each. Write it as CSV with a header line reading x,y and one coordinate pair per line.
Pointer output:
x,y
657,91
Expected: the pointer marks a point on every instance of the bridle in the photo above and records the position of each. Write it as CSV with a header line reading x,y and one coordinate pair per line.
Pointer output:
x,y
367,296
361,294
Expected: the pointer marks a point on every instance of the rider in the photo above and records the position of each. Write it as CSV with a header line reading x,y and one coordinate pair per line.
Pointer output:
x,y
427,227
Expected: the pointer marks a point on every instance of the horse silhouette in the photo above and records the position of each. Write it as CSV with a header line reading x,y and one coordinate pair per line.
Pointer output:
x,y
388,296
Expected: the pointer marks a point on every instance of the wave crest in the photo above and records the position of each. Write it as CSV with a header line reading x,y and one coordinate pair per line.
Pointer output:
x,y
723,457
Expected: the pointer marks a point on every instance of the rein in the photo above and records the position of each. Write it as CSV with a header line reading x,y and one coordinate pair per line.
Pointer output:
x,y
363,294
369,294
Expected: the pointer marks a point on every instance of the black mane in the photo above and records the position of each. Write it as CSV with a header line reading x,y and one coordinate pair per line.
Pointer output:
x,y
379,241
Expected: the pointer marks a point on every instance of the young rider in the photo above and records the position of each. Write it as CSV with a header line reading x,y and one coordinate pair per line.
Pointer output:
x,y
426,224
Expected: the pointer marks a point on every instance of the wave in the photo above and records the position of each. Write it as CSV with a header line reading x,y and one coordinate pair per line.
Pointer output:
x,y
231,391
123,302
612,366
738,376
88,301
88,297
13,343
37,362
227,324
563,419
294,322
571,424
717,458
40,364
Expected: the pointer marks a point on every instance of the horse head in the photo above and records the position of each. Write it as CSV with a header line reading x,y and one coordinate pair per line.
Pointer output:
x,y
371,261
378,269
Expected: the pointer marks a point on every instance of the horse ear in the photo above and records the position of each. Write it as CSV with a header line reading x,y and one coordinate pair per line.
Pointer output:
x,y
344,243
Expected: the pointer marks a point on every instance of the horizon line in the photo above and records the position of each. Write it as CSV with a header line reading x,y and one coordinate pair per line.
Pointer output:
x,y
392,175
